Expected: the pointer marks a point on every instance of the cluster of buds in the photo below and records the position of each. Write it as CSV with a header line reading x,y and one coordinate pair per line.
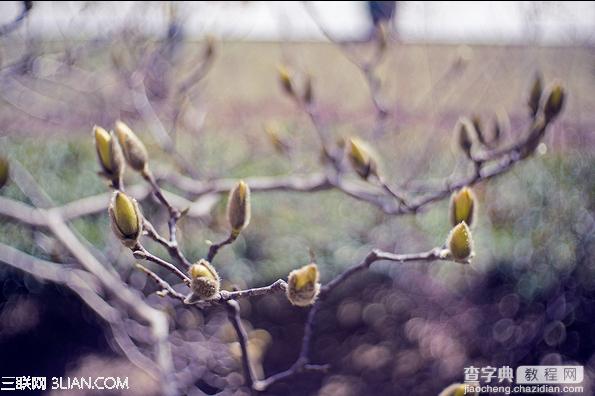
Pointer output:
x,y
362,158
238,208
116,149
204,281
462,214
126,219
4,171
303,285
287,81
552,105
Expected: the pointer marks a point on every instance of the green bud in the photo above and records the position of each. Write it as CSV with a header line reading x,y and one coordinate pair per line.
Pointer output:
x,y
126,218
134,150
205,282
109,154
462,207
303,285
554,103
535,95
361,159
4,171
460,243
238,208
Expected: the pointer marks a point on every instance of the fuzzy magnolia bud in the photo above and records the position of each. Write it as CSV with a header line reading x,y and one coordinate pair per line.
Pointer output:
x,y
535,95
303,285
205,281
460,243
126,218
554,103
457,390
238,208
462,207
286,80
134,150
109,154
361,159
4,171
464,137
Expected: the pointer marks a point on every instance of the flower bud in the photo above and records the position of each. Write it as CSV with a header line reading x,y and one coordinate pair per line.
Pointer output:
x,y
464,136
460,243
126,218
109,154
361,159
303,285
4,171
286,80
458,390
134,150
535,95
462,207
205,281
238,208
554,103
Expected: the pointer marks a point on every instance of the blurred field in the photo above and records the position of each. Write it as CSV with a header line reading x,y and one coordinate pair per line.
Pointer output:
x,y
534,239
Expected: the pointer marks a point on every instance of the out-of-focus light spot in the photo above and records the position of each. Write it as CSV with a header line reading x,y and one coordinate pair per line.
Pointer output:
x,y
370,357
349,313
373,313
554,333
509,305
503,330
542,149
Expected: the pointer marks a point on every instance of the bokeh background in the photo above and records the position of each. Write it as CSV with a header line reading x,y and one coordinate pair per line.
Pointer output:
x,y
209,76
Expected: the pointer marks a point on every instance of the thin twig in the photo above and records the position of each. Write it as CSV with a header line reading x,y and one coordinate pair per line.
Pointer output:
x,y
170,244
233,310
141,253
214,248
302,363
166,288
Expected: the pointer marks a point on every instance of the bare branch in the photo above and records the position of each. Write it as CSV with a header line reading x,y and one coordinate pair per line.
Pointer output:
x,y
141,253
166,287
233,310
302,363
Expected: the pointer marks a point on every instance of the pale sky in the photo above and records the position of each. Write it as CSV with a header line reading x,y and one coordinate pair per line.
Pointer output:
x,y
484,22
